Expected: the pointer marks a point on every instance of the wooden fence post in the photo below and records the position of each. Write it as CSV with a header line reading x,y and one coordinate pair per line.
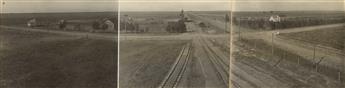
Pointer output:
x,y
254,45
298,61
317,64
87,35
280,60
339,76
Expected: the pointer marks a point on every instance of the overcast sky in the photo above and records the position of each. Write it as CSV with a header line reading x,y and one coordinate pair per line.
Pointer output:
x,y
36,6
174,6
289,5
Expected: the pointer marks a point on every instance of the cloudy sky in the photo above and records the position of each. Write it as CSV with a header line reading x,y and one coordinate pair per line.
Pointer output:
x,y
36,6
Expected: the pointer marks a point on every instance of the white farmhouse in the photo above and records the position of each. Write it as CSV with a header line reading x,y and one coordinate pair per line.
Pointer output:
x,y
275,18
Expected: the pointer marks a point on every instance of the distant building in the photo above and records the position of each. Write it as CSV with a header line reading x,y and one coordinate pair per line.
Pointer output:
x,y
110,25
62,24
275,18
32,23
274,21
182,14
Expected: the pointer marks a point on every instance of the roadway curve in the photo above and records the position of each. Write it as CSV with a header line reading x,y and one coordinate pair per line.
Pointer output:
x,y
333,59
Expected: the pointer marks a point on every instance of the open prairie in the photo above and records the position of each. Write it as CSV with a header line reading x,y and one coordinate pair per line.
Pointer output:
x,y
302,45
38,59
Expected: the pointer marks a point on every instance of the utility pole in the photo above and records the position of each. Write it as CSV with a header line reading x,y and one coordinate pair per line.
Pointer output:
x,y
314,52
239,29
343,65
125,26
272,46
227,19
126,21
226,26
273,34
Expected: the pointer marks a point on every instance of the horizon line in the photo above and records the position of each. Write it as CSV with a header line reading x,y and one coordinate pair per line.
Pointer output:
x,y
172,11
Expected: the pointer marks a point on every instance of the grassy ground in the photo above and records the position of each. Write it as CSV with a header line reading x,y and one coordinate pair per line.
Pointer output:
x,y
328,37
287,67
262,51
38,60
144,64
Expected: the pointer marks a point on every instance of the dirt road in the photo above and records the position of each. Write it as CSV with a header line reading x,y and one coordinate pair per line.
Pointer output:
x,y
289,73
209,66
69,33
250,70
206,67
333,60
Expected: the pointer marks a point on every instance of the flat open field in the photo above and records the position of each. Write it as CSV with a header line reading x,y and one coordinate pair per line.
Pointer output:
x,y
44,60
331,37
172,14
18,19
154,22
289,13
214,15
214,20
146,63
288,19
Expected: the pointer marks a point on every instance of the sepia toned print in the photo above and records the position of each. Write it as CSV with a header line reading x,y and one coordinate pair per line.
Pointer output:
x,y
288,44
58,44
174,44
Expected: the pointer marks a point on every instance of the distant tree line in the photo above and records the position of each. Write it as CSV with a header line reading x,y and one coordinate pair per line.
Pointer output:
x,y
264,23
176,27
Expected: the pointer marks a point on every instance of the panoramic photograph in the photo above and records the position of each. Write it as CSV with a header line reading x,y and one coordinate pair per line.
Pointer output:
x,y
288,44
174,44
58,44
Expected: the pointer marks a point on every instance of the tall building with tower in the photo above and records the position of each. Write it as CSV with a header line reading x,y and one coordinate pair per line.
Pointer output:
x,y
182,14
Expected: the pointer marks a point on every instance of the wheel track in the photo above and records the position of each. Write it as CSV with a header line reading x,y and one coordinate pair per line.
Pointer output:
x,y
176,73
221,67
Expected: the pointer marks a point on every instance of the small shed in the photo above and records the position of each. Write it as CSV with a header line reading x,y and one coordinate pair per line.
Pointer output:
x,y
32,23
110,25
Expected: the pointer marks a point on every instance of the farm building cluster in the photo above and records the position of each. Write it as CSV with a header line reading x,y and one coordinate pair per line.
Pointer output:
x,y
153,24
95,25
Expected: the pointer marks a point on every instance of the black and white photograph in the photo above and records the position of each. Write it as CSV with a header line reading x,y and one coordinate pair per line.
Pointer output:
x,y
288,44
174,44
58,44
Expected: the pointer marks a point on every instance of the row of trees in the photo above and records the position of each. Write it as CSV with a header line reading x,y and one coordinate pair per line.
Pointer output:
x,y
264,23
176,27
